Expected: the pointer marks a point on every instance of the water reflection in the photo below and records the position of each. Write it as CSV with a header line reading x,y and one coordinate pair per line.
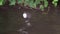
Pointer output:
x,y
27,24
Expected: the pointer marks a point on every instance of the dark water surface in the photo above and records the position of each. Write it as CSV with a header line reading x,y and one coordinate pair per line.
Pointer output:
x,y
11,20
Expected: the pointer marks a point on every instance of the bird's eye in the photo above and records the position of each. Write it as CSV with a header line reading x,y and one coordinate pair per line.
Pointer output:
x,y
24,15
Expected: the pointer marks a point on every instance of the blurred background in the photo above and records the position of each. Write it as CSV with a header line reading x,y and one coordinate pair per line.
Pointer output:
x,y
42,22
